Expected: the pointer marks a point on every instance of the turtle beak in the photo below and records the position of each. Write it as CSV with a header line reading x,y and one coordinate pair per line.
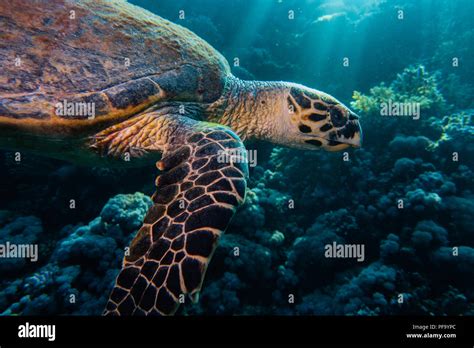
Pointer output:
x,y
351,133
356,140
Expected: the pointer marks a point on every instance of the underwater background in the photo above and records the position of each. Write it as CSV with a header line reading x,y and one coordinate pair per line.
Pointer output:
x,y
363,52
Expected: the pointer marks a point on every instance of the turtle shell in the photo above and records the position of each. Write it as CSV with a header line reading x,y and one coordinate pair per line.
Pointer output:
x,y
60,56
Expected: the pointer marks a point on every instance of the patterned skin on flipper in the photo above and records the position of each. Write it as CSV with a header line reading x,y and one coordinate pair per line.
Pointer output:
x,y
195,199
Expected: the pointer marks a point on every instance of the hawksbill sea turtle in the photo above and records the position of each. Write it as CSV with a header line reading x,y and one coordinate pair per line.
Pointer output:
x,y
158,92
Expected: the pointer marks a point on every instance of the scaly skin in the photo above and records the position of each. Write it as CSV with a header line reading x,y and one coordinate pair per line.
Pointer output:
x,y
286,114
249,108
279,112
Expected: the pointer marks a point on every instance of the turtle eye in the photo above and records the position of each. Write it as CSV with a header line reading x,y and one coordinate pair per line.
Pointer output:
x,y
337,117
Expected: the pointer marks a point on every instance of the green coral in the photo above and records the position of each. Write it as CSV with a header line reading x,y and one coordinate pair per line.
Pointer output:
x,y
370,104
413,85
416,85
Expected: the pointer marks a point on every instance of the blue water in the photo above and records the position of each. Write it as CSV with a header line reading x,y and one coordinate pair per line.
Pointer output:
x,y
406,197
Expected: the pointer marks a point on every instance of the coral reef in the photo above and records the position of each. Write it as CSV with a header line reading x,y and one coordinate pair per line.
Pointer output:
x,y
410,205
83,265
414,90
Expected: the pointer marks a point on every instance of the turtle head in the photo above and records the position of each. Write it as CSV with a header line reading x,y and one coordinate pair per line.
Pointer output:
x,y
313,119
286,114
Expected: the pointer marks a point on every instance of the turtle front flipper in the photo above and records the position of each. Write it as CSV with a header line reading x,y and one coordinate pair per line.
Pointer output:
x,y
203,183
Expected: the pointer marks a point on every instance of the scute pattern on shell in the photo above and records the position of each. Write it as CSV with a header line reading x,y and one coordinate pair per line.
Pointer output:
x,y
106,45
